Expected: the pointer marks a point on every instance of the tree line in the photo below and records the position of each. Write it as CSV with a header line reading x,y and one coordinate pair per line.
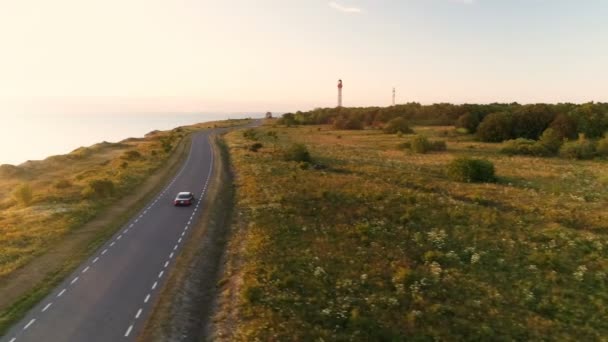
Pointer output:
x,y
494,122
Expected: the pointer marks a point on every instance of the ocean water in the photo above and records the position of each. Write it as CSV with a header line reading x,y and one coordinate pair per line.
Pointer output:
x,y
36,136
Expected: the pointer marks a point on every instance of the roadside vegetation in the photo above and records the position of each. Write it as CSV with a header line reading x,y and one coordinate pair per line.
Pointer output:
x,y
351,234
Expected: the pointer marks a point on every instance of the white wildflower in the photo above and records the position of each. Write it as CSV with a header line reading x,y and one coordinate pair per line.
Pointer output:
x,y
580,272
437,237
475,258
436,269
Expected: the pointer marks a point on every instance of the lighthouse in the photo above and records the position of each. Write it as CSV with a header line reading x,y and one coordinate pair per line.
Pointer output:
x,y
339,93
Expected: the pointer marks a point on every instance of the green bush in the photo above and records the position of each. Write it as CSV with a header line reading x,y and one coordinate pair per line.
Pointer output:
x,y
471,170
348,123
469,122
496,127
100,188
23,194
551,140
297,153
524,147
250,134
602,147
420,144
62,184
579,149
131,155
255,147
397,125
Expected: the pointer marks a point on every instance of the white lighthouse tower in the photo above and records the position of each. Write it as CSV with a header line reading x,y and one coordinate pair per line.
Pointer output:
x,y
339,93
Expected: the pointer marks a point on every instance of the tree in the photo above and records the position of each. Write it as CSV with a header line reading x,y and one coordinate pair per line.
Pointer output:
x,y
591,119
468,121
564,126
530,121
496,127
397,125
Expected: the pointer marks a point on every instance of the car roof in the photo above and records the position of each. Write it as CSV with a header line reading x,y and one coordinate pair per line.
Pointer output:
x,y
184,193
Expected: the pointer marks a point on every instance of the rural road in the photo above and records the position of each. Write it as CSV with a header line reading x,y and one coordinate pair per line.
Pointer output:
x,y
109,297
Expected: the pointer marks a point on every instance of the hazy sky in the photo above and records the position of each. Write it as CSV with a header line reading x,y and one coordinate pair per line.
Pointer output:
x,y
283,55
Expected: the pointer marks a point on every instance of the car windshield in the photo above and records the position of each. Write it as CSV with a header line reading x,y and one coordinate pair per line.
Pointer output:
x,y
183,196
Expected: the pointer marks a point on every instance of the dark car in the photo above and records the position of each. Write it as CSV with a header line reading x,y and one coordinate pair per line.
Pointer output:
x,y
184,198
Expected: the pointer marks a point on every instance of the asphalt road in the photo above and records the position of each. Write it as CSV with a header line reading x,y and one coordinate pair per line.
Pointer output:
x,y
109,297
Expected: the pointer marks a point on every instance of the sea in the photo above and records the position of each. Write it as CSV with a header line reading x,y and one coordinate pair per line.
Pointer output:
x,y
36,136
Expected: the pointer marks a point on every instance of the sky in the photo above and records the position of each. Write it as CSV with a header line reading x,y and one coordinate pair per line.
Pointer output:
x,y
87,56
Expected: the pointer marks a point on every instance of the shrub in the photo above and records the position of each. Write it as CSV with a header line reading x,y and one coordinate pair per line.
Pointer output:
x,y
471,170
23,194
469,122
99,188
496,127
131,155
579,149
602,147
297,153
255,147
348,123
250,134
564,126
62,184
420,144
524,147
551,140
397,125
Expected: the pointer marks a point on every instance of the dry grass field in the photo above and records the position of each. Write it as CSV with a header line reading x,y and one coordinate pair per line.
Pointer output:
x,y
373,242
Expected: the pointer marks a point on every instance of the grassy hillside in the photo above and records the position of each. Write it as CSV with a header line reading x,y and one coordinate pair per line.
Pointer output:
x,y
373,242
68,190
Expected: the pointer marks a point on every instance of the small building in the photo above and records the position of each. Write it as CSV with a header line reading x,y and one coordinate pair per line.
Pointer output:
x,y
268,115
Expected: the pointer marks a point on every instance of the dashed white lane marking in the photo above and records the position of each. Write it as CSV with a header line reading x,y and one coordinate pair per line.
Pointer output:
x,y
119,237
29,324
46,307
166,264
175,248
113,243
61,293
13,339
179,240
86,269
73,281
95,260
154,285
131,225
126,231
129,331
160,275
147,298
138,313
183,233
171,255
104,251
186,228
